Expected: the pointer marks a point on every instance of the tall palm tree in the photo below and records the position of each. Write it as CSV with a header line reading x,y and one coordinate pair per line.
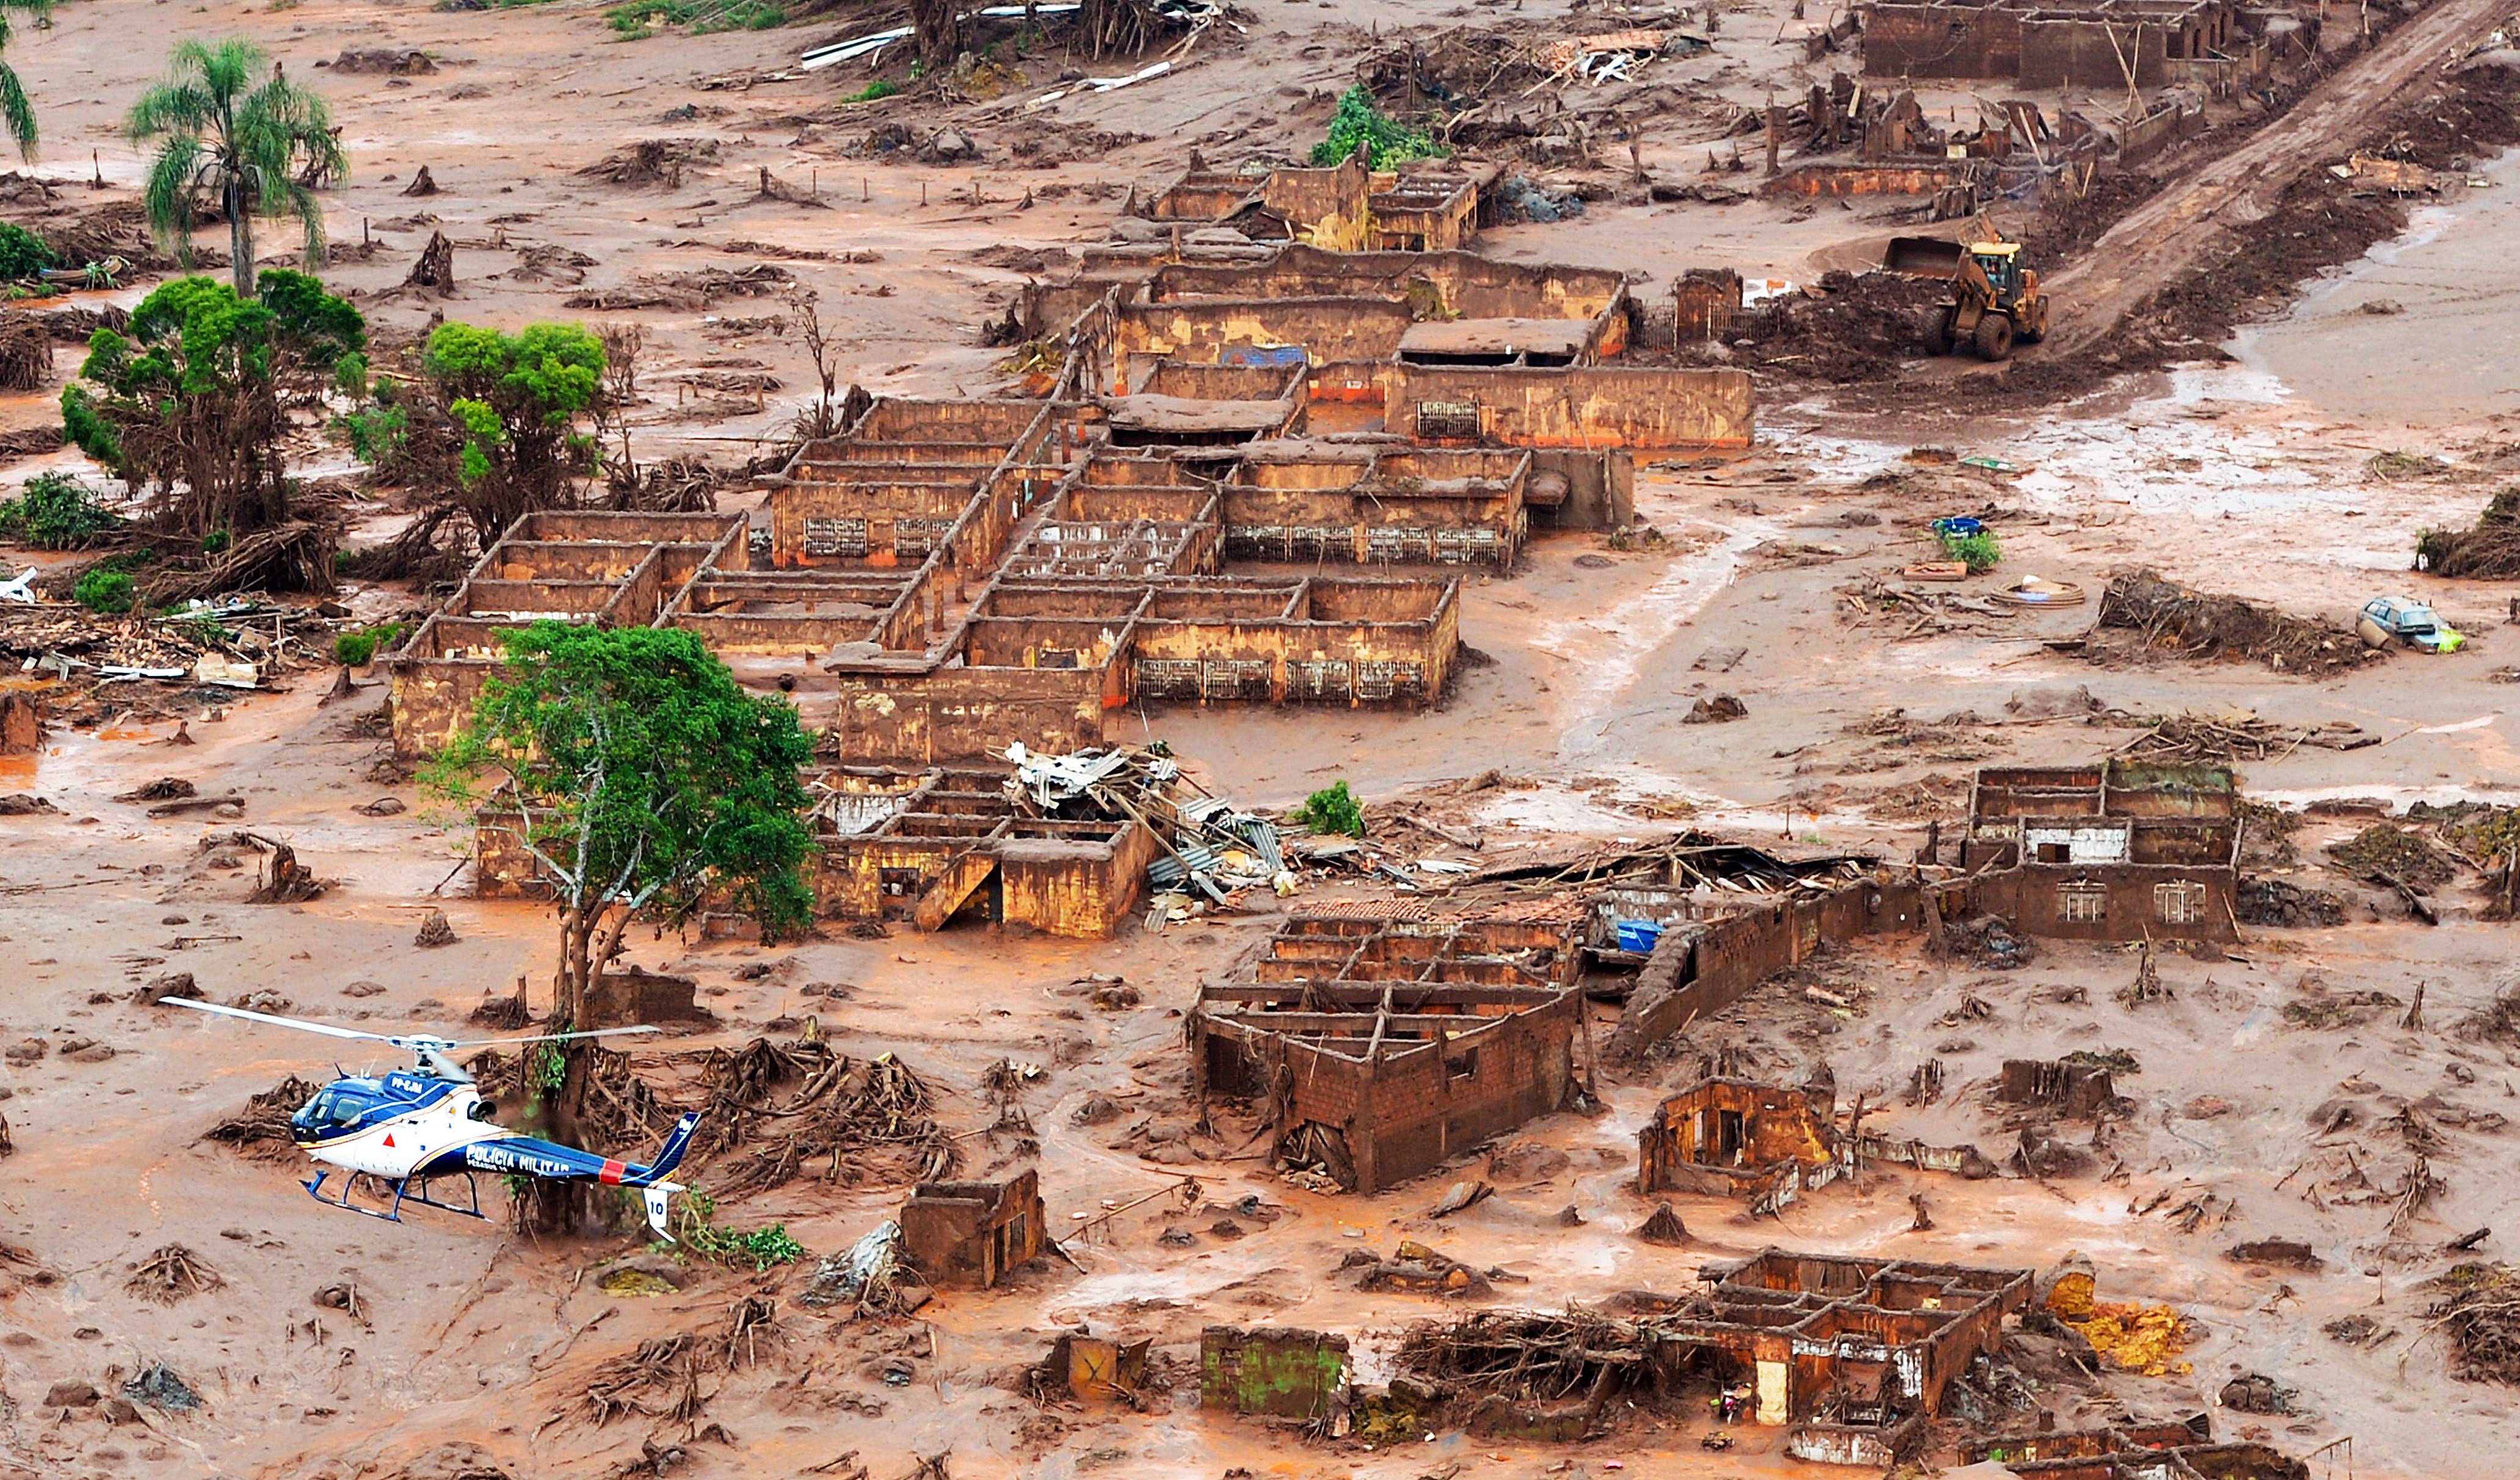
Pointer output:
x,y
226,122
16,112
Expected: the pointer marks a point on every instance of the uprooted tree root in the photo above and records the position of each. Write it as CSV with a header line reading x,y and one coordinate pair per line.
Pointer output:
x,y
621,1113
1528,1356
298,555
172,1273
652,162
2203,624
2479,1310
284,879
261,1128
752,1329
2489,551
26,352
803,1104
657,1379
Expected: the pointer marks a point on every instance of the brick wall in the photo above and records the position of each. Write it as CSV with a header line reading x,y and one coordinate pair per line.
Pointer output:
x,y
1703,969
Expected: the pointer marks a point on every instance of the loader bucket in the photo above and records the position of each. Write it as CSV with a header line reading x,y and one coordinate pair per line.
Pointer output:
x,y
1925,256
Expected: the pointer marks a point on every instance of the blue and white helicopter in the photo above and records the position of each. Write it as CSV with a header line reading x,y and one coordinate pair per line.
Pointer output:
x,y
405,1129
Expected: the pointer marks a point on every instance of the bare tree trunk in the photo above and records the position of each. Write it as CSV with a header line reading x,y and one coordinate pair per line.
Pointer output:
x,y
560,1207
939,25
240,237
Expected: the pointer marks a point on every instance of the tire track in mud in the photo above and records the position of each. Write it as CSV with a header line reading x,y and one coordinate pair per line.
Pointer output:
x,y
2159,241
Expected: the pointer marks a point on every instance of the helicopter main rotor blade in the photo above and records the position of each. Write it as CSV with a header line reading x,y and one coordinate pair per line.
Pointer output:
x,y
300,1023
484,1043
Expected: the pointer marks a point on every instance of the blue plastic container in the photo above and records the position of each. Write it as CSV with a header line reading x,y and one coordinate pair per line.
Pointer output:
x,y
1639,935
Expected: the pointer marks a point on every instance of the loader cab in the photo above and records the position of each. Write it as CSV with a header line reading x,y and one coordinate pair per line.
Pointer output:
x,y
2001,262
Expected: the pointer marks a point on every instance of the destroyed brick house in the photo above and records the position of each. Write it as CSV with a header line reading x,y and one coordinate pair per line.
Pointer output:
x,y
1767,1143
931,598
2116,851
946,578
2150,66
1428,205
1853,1358
1378,1043
971,1234
927,846
2133,1452
2098,46
1067,845
1855,1353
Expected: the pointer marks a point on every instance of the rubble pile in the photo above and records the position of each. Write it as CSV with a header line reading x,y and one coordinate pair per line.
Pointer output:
x,y
1211,848
2206,625
2264,901
2478,1307
178,664
785,1106
1842,330
1529,1356
2488,551
2191,736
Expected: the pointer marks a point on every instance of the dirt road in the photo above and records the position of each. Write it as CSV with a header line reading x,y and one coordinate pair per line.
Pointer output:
x,y
2163,238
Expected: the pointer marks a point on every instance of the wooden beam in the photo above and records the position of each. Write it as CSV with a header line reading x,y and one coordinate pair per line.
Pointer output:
x,y
1366,998
1362,1025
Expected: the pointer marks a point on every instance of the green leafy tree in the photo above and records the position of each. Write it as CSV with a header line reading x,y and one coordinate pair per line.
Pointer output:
x,y
1332,808
228,126
640,778
109,592
18,114
56,513
23,253
1361,123
193,398
515,401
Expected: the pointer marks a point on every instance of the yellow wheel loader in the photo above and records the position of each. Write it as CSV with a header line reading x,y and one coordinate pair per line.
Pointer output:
x,y
1994,303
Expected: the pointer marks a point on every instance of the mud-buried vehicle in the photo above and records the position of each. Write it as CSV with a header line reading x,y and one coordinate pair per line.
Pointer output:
x,y
1995,300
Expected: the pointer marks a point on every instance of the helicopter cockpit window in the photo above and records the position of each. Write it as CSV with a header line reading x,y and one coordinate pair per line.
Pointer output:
x,y
330,1108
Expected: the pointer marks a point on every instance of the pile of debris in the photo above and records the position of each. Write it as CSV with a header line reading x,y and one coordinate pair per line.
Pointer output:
x,y
1842,330
2191,736
1210,848
2202,624
858,1122
2265,901
1876,603
659,163
2489,551
261,1129
1415,1269
2385,853
2478,1307
870,1275
195,657
1528,1356
690,291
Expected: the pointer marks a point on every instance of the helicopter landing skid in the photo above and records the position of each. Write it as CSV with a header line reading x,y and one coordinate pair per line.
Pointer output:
x,y
404,1192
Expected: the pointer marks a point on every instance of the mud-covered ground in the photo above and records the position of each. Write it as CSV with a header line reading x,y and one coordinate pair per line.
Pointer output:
x,y
472,1351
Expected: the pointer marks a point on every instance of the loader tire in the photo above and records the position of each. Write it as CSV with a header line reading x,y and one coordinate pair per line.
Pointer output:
x,y
1995,336
1938,330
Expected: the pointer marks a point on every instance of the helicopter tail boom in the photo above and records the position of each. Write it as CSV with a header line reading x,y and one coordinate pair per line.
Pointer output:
x,y
670,1156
